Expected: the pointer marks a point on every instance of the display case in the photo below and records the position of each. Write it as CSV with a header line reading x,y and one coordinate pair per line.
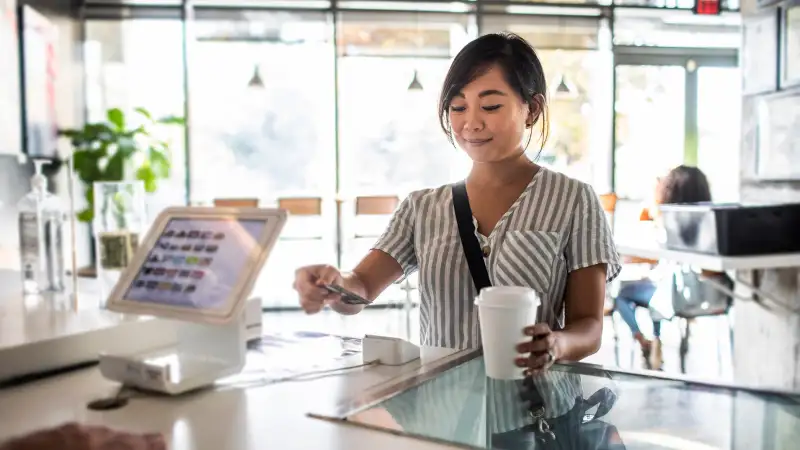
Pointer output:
x,y
586,407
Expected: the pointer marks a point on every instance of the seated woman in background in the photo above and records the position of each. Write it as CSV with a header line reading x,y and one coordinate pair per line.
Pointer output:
x,y
682,184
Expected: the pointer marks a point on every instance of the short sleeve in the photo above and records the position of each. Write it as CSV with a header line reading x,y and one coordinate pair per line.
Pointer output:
x,y
590,240
398,239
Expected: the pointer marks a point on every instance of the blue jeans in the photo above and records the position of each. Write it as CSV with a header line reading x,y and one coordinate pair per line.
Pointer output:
x,y
632,295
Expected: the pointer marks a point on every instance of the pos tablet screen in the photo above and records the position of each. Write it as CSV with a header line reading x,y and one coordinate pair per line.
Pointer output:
x,y
197,264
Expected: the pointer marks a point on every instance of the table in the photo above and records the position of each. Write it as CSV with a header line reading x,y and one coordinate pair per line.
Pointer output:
x,y
44,333
652,250
256,417
457,403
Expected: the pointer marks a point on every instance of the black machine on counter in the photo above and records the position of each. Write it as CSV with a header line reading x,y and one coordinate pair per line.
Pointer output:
x,y
732,229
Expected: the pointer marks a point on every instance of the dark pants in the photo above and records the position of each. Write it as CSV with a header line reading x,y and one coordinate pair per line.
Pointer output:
x,y
632,295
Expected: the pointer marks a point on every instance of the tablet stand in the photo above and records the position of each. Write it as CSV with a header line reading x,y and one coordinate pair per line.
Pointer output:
x,y
203,353
211,341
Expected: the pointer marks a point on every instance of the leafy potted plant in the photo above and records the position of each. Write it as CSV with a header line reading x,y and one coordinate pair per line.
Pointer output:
x,y
116,151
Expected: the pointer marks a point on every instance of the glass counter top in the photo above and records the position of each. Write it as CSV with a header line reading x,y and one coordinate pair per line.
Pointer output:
x,y
585,407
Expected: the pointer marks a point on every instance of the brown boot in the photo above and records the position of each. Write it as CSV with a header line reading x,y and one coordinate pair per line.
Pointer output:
x,y
656,358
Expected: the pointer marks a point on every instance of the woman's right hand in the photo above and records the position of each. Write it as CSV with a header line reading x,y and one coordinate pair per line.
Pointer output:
x,y
309,282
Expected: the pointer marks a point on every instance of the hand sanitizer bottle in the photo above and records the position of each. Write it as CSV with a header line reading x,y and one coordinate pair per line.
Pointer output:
x,y
41,237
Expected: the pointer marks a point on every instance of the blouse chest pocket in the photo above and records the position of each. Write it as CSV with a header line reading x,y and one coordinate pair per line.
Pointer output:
x,y
526,258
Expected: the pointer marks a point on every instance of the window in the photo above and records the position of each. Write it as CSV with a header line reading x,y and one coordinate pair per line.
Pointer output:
x,y
139,63
262,99
390,74
263,126
650,135
578,73
391,70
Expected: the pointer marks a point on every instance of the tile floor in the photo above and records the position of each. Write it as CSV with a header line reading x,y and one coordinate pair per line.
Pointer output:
x,y
709,354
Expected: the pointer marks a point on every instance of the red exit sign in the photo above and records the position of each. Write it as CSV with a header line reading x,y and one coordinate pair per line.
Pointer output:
x,y
707,7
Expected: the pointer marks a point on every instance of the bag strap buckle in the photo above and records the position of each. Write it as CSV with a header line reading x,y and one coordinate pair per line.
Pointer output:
x,y
545,433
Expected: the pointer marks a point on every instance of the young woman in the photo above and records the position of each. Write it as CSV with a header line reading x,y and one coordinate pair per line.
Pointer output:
x,y
683,184
537,228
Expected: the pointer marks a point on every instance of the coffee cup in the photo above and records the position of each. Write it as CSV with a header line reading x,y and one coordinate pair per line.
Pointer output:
x,y
504,312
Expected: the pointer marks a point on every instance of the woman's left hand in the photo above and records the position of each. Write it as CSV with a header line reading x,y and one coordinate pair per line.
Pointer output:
x,y
541,351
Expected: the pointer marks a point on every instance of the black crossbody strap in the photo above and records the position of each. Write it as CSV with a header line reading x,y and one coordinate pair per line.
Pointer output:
x,y
469,242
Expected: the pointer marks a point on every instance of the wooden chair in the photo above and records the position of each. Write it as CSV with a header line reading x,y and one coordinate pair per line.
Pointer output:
x,y
301,206
609,204
236,202
301,242
377,205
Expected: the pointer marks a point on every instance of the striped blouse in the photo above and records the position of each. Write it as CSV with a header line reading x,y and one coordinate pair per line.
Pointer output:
x,y
556,226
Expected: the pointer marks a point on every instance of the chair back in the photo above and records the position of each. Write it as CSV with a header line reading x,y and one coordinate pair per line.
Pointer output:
x,y
236,202
301,206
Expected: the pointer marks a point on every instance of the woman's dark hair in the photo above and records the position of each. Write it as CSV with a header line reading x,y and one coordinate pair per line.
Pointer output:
x,y
684,184
522,68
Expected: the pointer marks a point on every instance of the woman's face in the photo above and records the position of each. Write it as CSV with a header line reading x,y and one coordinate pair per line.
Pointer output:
x,y
489,119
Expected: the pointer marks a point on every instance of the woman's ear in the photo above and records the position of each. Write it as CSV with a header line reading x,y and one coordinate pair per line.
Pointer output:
x,y
534,111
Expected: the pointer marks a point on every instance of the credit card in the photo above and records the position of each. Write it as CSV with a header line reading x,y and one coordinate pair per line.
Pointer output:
x,y
348,297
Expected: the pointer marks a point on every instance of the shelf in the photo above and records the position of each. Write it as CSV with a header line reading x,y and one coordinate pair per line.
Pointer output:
x,y
711,262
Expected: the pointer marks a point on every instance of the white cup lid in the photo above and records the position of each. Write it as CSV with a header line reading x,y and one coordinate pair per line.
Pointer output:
x,y
508,297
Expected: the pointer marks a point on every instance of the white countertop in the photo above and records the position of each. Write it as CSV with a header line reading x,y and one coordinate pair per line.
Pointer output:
x,y
250,416
257,417
651,250
43,333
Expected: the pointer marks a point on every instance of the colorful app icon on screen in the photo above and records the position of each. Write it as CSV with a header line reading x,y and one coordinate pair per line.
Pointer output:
x,y
181,234
194,234
198,274
199,247
172,273
147,270
192,260
177,287
206,235
219,236
169,233
139,283
205,262
152,285
186,247
190,288
212,248
164,286
184,273
159,271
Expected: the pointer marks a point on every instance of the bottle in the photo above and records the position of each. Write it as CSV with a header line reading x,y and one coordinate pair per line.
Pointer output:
x,y
41,237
